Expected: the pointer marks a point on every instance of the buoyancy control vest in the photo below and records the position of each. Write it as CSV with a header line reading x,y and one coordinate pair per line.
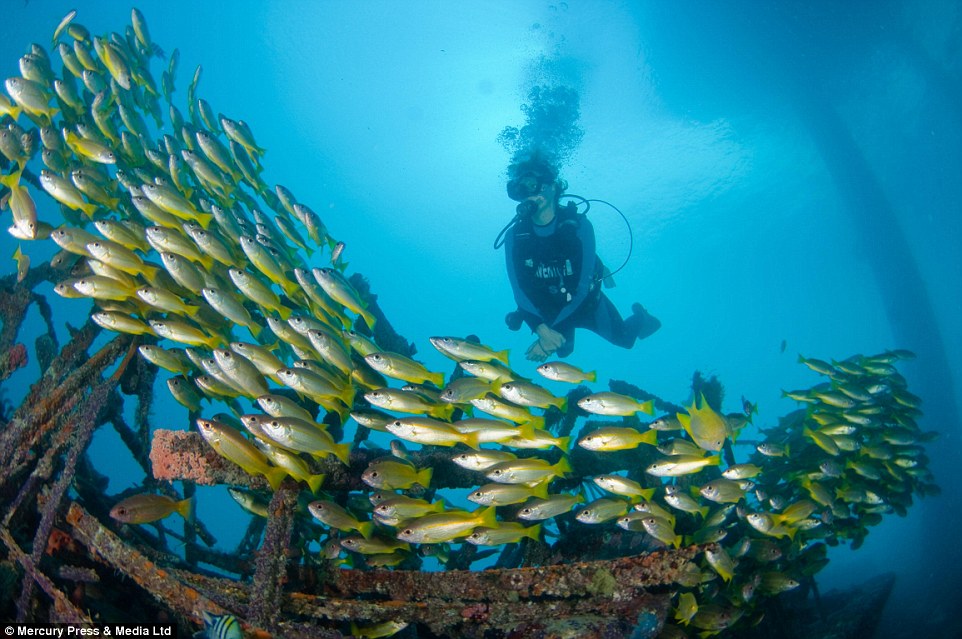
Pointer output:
x,y
549,267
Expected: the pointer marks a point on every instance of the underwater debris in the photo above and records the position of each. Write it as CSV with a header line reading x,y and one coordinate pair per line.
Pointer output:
x,y
193,254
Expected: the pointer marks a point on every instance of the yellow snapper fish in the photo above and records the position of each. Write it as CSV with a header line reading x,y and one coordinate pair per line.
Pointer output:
x,y
173,359
517,414
128,233
531,470
403,508
170,200
22,206
231,445
618,485
340,290
707,428
551,506
461,349
90,149
121,323
280,406
185,393
373,546
540,439
305,437
407,402
167,240
608,403
564,372
464,389
491,370
390,474
267,264
255,290
508,532
147,508
678,465
185,333
65,192
404,368
120,258
482,459
336,516
241,372
602,510
507,494
31,96
528,394
491,431
227,305
427,431
293,463
441,527
23,263
611,438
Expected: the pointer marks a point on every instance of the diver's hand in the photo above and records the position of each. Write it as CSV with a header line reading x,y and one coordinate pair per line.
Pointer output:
x,y
536,353
551,340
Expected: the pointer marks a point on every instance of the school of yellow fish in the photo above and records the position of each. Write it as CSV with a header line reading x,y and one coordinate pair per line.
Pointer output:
x,y
170,230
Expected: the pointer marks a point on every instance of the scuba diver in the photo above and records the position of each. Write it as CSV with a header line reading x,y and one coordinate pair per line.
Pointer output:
x,y
554,271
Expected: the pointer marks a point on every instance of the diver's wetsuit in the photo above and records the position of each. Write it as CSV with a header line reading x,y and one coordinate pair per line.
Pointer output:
x,y
555,275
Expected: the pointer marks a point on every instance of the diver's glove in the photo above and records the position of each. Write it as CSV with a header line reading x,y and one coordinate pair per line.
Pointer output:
x,y
646,322
513,320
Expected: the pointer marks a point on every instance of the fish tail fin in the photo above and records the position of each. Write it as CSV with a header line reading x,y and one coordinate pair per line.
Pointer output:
x,y
563,442
314,482
437,379
423,477
592,376
275,476
650,437
471,439
676,542
284,312
366,528
11,181
343,453
703,511
533,532
89,209
647,407
113,203
368,318
563,466
541,490
184,507
526,430
203,219
440,411
489,517
536,421
714,460
561,403
648,493
502,356
255,329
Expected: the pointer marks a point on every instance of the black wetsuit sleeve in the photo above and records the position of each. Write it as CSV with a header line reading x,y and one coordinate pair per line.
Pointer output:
x,y
531,313
586,236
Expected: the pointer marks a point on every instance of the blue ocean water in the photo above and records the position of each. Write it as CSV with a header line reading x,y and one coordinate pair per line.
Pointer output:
x,y
791,175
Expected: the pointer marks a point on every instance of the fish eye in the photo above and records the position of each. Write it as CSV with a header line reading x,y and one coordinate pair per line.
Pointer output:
x,y
374,473
526,511
407,531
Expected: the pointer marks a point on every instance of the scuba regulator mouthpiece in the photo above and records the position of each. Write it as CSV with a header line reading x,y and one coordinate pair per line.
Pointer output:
x,y
526,208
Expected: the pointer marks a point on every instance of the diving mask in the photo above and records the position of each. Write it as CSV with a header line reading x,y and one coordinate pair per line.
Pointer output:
x,y
525,186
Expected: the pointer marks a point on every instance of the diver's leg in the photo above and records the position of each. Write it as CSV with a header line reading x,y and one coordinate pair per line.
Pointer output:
x,y
647,323
607,323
